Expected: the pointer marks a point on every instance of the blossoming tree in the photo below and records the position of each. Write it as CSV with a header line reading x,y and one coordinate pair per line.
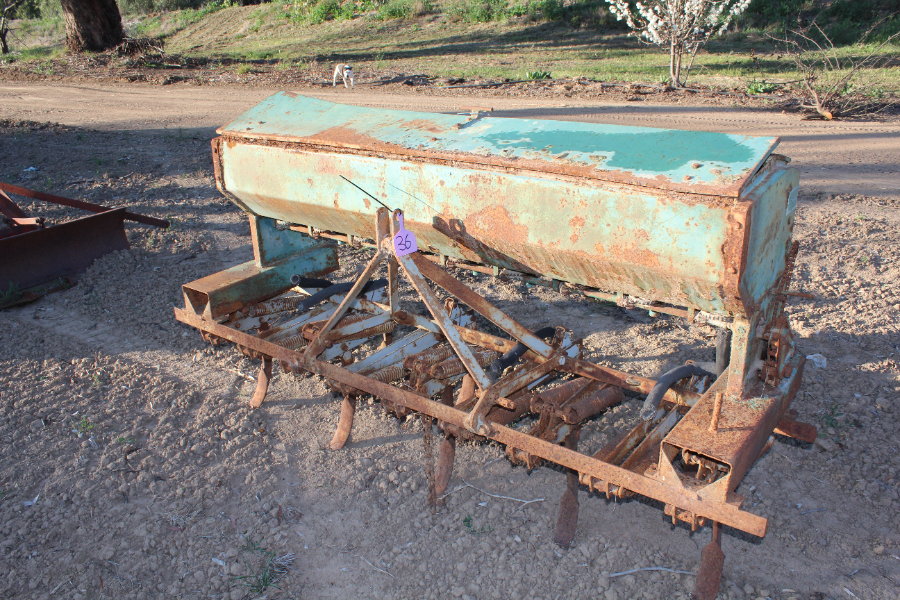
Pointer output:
x,y
682,25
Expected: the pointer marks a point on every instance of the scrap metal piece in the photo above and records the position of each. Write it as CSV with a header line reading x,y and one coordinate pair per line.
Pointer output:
x,y
567,521
64,250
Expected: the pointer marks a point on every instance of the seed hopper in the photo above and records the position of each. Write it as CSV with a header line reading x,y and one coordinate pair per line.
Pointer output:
x,y
692,224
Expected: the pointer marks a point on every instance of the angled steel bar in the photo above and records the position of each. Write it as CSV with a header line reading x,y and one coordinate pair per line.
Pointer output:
x,y
482,306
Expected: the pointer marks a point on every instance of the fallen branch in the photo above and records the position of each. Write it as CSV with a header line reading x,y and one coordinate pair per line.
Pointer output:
x,y
651,569
374,567
469,485
499,83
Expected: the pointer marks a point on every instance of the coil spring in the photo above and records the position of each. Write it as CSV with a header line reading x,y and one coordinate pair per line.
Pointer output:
x,y
274,306
427,358
311,330
454,366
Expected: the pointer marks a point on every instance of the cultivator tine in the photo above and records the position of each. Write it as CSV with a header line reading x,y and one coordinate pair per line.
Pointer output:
x,y
345,423
567,522
444,469
262,383
709,575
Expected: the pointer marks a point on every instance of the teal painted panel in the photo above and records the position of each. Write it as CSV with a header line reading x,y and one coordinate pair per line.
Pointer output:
x,y
691,161
771,230
613,237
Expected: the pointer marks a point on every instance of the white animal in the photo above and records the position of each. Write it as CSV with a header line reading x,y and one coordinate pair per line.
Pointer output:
x,y
345,72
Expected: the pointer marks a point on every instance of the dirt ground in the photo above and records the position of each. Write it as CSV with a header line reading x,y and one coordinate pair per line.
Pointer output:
x,y
131,467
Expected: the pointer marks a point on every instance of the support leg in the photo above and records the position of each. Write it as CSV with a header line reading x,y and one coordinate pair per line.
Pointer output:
x,y
709,576
567,522
345,424
262,383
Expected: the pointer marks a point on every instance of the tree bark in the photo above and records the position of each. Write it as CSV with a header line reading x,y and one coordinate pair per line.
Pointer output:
x,y
93,25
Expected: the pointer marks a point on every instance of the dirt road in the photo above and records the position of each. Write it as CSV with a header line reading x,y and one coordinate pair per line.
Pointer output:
x,y
861,157
131,467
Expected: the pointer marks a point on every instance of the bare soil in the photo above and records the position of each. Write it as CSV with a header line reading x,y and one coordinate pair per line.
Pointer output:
x,y
131,467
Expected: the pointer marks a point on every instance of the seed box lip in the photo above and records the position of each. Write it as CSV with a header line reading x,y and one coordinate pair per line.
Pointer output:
x,y
697,162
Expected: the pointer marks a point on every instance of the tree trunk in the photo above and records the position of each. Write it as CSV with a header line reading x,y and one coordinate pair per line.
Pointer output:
x,y
93,25
672,79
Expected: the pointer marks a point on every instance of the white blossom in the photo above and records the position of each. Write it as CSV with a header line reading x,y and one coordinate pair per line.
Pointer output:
x,y
681,25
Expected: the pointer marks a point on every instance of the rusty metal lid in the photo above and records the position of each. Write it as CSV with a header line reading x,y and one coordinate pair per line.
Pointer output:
x,y
700,162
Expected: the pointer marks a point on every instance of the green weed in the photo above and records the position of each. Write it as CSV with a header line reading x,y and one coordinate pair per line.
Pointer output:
x,y
537,75
10,295
84,425
761,87
830,418
265,567
403,9
471,528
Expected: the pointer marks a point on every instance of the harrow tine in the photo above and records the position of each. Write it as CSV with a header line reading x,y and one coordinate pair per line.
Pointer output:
x,y
345,423
262,383
444,468
567,522
709,575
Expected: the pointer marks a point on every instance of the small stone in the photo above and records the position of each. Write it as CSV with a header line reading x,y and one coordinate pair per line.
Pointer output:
x,y
879,549
825,444
748,589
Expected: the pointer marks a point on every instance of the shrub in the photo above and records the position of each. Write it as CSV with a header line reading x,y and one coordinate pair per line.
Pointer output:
x,y
403,9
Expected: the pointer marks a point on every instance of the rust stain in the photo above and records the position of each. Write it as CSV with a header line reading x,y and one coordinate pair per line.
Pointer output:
x,y
637,257
575,223
423,125
495,221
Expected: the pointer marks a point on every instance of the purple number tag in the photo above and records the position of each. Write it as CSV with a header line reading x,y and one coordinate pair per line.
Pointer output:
x,y
404,241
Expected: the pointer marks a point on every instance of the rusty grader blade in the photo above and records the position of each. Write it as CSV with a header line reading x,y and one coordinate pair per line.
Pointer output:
x,y
32,253
692,224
